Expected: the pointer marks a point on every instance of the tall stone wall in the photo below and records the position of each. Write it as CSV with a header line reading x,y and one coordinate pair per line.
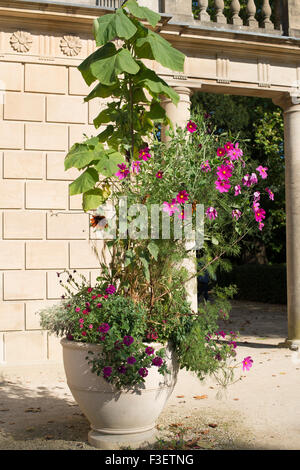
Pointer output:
x,y
42,229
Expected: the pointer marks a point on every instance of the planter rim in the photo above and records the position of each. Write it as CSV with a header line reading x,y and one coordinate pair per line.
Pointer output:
x,y
78,344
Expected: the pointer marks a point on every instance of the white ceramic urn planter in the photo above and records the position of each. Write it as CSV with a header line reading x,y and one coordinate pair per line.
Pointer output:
x,y
118,418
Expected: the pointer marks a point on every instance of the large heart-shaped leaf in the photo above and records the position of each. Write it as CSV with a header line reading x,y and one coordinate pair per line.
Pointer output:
x,y
110,26
104,91
108,164
84,182
80,155
107,69
154,47
94,198
103,53
143,13
154,84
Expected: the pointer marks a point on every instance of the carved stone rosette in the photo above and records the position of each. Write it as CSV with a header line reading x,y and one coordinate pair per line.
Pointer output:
x,y
21,41
70,45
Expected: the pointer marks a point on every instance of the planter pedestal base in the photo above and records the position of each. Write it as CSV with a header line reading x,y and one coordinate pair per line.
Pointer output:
x,y
119,441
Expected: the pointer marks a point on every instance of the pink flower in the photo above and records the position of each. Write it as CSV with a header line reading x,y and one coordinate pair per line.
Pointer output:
x,y
144,154
182,197
256,196
94,297
260,225
237,190
90,326
221,333
224,172
90,290
211,213
262,171
253,178
159,174
123,172
205,166
271,194
83,333
247,363
222,185
221,152
228,146
246,180
86,311
259,214
99,305
170,208
236,214
77,309
136,166
81,320
235,153
191,127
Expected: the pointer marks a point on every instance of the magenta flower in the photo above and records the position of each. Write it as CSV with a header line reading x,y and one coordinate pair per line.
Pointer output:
x,y
128,340
233,344
110,289
90,326
221,152
157,361
205,166
271,194
99,305
259,214
159,174
222,186
224,172
118,345
181,215
211,213
149,351
144,154
237,190
221,333
131,360
247,363
182,197
86,311
123,171
260,225
136,166
191,127
77,309
236,214
104,327
122,369
228,146
107,371
90,290
262,171
83,333
143,372
81,320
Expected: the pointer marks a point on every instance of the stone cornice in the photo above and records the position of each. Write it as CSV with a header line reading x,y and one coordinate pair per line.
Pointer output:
x,y
70,17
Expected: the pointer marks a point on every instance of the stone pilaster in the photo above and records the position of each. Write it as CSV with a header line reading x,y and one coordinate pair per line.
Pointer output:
x,y
291,109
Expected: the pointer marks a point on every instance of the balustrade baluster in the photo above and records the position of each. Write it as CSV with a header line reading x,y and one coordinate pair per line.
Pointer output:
x,y
251,10
220,18
203,15
235,9
267,12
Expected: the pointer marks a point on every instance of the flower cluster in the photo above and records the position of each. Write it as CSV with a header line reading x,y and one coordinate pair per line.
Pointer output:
x,y
175,206
144,155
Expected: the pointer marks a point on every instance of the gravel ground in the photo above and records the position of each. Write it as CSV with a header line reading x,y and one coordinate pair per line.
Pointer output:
x,y
261,411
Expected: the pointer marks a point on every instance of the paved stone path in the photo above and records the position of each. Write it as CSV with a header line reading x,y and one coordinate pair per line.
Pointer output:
x,y
261,411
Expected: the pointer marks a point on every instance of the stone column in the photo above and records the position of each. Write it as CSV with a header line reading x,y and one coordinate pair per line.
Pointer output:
x,y
291,108
180,115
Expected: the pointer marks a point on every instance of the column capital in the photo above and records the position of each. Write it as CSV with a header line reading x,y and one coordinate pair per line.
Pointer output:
x,y
288,101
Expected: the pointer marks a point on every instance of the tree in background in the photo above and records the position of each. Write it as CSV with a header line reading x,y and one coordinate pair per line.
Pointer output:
x,y
259,125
